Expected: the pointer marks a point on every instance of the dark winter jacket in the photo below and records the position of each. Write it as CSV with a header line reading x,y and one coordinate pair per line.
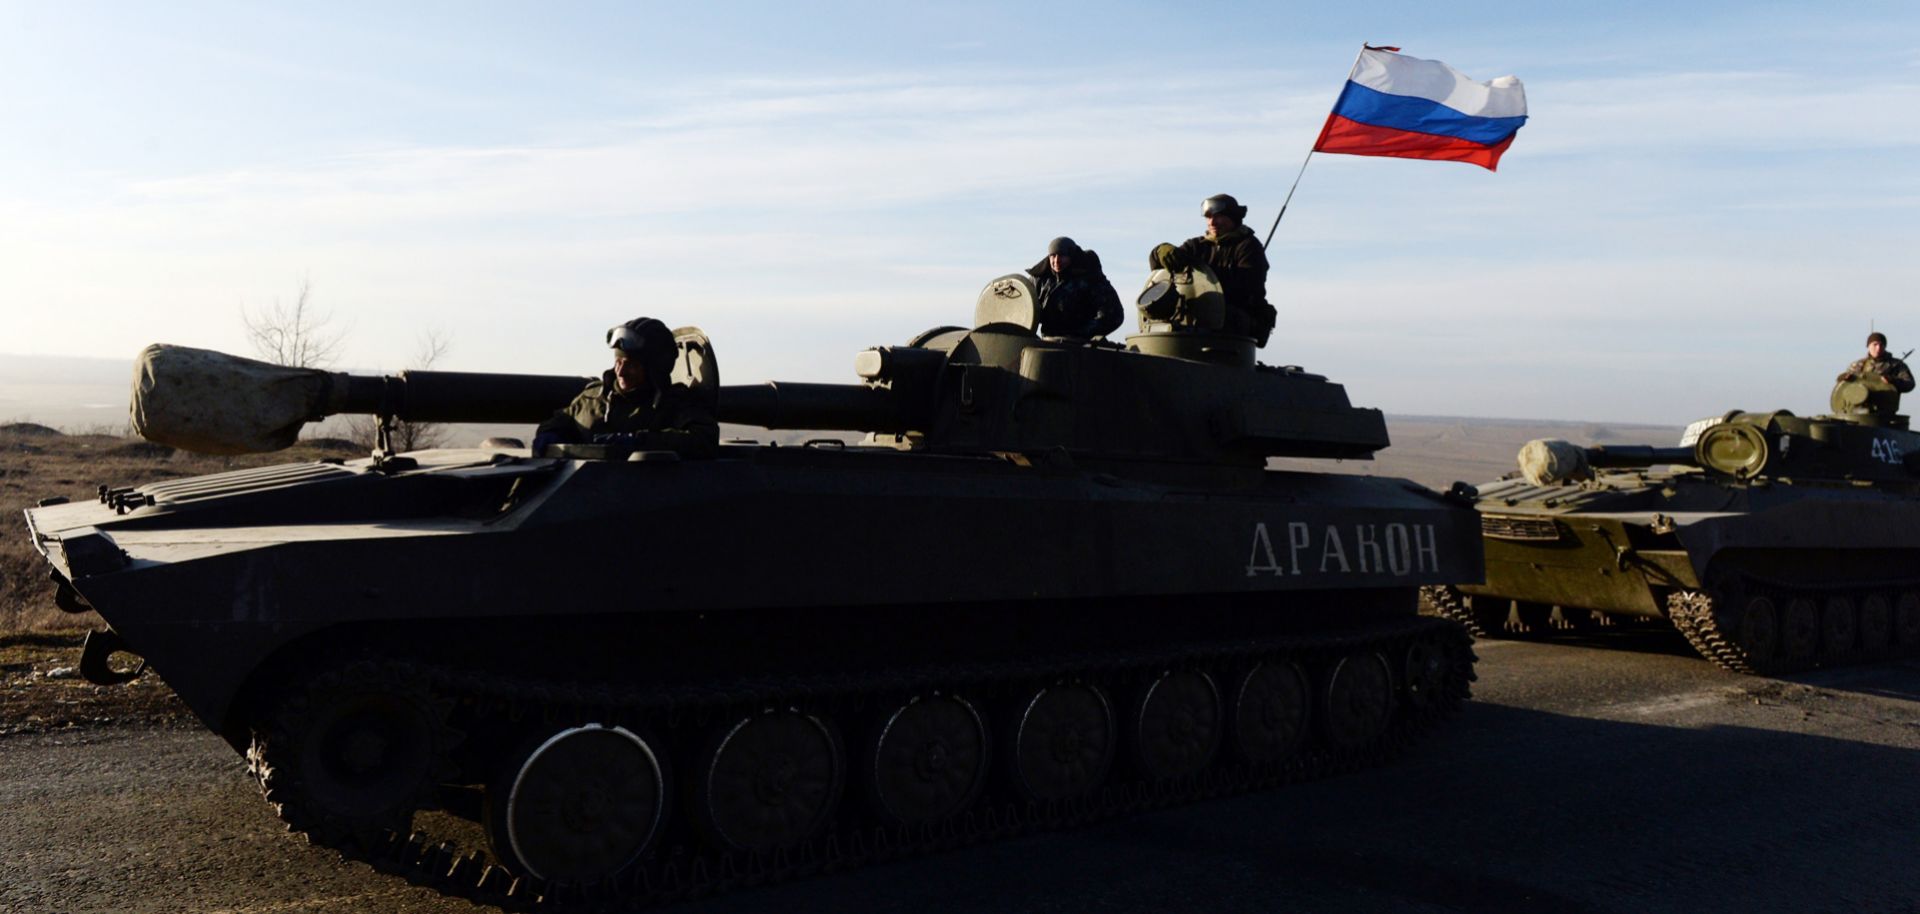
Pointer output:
x,y
1079,303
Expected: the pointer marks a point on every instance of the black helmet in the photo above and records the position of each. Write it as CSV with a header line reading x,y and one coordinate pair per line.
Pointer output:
x,y
1223,203
1877,337
649,342
1062,245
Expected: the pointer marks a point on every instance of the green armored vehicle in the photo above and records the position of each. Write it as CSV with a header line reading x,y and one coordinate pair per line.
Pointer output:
x,y
1773,542
1055,582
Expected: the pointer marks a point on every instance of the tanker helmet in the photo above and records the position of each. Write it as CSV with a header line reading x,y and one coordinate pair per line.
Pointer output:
x,y
1063,245
1877,337
1223,203
649,342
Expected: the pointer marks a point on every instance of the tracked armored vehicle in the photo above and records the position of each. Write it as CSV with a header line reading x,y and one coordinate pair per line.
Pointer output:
x,y
1056,581
1773,542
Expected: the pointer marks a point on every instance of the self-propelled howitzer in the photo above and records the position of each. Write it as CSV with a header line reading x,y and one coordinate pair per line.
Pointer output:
x,y
1057,581
1774,542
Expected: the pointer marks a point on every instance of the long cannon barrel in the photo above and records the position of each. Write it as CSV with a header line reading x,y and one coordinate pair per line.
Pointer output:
x,y
453,396
214,403
844,407
1638,455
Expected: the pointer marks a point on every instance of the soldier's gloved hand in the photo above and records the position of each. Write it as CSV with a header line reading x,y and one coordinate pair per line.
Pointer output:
x,y
541,440
1167,257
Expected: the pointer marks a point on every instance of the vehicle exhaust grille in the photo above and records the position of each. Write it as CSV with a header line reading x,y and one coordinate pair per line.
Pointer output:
x,y
1532,529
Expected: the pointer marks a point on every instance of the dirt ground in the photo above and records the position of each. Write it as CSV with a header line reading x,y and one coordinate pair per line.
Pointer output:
x,y
41,690
1588,776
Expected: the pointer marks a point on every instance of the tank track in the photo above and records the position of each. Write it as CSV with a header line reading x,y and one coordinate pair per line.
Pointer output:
x,y
1449,603
1711,621
686,868
1531,622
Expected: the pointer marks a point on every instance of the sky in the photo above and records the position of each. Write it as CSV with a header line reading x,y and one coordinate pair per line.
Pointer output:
x,y
1707,209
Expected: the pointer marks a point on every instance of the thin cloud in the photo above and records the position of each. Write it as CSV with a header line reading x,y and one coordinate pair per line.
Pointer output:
x,y
1631,213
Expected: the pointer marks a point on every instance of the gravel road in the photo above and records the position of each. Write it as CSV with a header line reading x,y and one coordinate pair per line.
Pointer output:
x,y
1581,779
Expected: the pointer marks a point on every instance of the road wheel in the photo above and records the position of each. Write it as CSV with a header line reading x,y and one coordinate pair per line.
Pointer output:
x,y
1906,620
1270,712
1839,626
1428,668
929,759
354,753
1876,623
579,808
1178,728
1759,630
1063,742
1359,700
771,780
1800,629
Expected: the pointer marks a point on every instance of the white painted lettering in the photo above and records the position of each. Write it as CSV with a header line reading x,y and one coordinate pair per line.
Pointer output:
x,y
1297,538
1334,551
1399,550
1367,546
1261,558
1426,542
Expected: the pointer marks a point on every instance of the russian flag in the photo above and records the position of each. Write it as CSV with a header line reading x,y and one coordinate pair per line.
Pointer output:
x,y
1395,105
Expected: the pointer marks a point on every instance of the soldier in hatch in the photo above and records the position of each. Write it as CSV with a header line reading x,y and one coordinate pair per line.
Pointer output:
x,y
635,404
1235,255
1878,364
1076,299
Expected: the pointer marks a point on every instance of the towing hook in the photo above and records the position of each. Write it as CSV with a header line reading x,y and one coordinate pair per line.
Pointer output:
x,y
1461,493
100,645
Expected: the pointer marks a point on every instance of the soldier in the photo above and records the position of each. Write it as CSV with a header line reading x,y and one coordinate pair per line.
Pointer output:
x,y
1236,256
1076,299
636,403
1878,364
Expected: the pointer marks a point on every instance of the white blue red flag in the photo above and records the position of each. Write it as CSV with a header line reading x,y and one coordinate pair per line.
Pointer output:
x,y
1395,105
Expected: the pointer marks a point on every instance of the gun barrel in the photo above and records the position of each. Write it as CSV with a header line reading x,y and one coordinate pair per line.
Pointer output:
x,y
1639,455
455,396
843,407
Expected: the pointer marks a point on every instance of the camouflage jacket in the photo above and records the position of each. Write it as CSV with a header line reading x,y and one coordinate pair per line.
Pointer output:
x,y
1241,263
670,419
1894,370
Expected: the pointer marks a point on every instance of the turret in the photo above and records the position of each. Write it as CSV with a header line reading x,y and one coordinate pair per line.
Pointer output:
x,y
1166,396
1870,401
1742,446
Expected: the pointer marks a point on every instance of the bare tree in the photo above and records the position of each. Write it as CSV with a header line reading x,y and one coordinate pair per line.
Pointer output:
x,y
297,336
406,435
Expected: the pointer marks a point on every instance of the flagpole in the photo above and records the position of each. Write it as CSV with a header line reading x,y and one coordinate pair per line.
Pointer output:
x,y
1303,162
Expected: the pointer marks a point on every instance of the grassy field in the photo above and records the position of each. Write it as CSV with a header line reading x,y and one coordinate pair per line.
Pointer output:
x,y
37,462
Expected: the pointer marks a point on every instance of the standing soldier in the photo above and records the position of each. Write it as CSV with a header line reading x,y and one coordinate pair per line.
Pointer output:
x,y
635,403
1878,364
1236,256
